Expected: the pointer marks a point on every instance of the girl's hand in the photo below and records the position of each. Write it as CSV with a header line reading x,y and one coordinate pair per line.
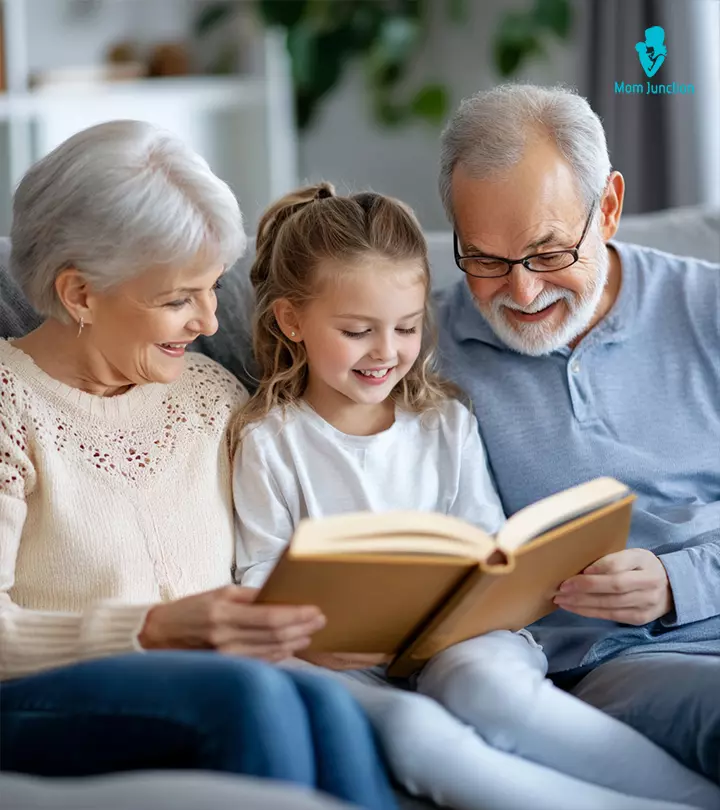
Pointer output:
x,y
226,620
340,661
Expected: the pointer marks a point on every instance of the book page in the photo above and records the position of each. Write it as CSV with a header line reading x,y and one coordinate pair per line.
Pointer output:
x,y
391,533
550,513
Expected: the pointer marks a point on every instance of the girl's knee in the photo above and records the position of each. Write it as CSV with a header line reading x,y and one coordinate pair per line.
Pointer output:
x,y
495,695
413,729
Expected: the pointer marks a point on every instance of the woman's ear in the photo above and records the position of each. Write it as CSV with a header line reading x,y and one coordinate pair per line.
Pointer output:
x,y
75,295
287,317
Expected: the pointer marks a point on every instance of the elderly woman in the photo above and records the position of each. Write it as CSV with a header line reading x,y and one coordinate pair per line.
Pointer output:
x,y
116,521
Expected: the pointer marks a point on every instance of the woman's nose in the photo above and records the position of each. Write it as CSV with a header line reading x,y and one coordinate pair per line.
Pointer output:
x,y
205,322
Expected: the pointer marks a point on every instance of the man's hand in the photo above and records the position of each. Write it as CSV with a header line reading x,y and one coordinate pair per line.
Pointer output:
x,y
341,661
630,587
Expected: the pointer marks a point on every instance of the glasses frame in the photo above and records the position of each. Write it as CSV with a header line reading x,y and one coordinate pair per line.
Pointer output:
x,y
573,251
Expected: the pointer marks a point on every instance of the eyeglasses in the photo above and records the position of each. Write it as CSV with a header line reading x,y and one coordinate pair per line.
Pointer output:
x,y
480,265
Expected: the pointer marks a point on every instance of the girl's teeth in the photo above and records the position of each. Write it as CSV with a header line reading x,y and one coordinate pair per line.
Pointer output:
x,y
381,373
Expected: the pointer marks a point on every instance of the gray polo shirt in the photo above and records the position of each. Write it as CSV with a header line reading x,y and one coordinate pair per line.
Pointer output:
x,y
637,399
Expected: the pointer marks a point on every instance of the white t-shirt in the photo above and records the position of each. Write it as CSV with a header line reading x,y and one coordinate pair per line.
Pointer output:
x,y
298,465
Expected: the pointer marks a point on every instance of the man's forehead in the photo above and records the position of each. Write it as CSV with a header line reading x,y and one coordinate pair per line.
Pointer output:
x,y
497,214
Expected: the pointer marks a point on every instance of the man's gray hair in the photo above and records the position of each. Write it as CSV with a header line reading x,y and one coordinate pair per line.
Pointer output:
x,y
488,133
114,200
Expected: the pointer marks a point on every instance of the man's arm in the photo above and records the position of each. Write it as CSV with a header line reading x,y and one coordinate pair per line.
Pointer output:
x,y
694,577
635,586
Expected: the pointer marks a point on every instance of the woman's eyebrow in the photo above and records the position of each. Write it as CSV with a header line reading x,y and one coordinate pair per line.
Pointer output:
x,y
180,290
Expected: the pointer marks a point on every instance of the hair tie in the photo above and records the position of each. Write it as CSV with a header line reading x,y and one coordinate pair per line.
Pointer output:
x,y
323,193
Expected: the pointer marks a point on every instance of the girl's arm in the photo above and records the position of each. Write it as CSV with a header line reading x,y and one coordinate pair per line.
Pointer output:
x,y
263,520
477,500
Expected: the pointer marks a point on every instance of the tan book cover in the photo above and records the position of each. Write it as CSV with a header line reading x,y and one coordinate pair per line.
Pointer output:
x,y
410,584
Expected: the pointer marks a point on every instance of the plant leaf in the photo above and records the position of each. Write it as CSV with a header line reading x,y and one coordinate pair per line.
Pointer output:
x,y
431,103
456,11
390,54
285,13
511,54
556,15
213,14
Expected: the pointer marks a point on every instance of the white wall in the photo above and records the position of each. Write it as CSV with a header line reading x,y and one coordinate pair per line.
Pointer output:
x,y
348,148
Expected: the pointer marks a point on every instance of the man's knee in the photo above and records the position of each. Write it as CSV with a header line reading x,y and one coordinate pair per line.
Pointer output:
x,y
672,698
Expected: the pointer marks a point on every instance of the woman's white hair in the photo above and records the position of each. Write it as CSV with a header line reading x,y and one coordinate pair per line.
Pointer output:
x,y
488,133
112,201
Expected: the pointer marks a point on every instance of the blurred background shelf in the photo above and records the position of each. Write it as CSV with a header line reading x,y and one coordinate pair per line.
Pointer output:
x,y
56,54
199,92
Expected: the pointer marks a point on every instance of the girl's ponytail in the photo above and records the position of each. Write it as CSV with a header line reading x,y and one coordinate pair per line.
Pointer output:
x,y
272,221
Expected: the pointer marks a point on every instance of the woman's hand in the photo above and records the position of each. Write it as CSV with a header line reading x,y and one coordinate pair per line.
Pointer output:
x,y
226,620
340,661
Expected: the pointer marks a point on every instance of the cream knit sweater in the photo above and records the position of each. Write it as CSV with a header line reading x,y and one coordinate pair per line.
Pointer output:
x,y
107,506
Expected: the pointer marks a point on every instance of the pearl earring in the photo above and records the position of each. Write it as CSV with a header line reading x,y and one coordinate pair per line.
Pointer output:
x,y
292,334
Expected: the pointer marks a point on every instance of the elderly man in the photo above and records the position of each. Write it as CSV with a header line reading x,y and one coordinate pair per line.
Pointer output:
x,y
586,357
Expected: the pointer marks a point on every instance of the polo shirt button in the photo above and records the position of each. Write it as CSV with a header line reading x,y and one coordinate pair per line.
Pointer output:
x,y
575,367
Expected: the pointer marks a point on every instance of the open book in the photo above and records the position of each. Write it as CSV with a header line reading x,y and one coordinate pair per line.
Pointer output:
x,y
411,584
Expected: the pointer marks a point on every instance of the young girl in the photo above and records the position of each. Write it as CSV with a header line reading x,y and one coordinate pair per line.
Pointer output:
x,y
349,416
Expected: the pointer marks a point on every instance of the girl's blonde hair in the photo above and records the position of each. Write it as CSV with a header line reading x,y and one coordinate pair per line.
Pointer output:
x,y
296,234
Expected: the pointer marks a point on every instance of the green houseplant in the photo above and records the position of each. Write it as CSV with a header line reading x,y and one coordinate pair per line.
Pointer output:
x,y
323,36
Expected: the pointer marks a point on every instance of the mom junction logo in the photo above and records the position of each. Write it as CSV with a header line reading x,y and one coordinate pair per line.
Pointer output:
x,y
652,53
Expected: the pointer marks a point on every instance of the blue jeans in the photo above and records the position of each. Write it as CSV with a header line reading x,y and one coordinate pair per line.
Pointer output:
x,y
194,710
672,698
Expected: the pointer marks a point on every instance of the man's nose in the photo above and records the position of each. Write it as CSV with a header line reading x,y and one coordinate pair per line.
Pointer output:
x,y
524,286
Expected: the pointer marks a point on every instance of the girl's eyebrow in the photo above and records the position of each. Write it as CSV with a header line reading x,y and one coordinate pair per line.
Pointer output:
x,y
368,318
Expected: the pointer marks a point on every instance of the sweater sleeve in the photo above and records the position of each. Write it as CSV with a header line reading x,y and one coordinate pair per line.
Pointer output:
x,y
264,522
34,640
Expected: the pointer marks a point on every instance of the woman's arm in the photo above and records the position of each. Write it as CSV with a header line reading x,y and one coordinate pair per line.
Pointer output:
x,y
35,640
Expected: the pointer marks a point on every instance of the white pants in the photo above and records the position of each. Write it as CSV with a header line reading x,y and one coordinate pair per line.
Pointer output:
x,y
485,730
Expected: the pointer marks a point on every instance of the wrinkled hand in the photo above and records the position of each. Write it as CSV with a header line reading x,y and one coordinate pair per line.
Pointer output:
x,y
340,661
630,587
226,620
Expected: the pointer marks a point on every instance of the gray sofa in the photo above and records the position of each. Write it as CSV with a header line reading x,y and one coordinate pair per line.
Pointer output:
x,y
689,231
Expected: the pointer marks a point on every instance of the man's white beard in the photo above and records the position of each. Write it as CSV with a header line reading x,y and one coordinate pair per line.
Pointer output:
x,y
539,338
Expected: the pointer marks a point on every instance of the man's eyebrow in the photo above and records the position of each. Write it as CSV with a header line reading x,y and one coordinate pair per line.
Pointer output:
x,y
355,317
549,238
